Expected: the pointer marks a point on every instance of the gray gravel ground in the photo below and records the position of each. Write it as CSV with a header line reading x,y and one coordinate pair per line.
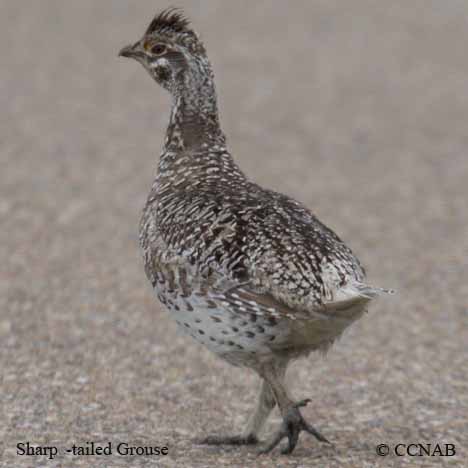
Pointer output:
x,y
358,108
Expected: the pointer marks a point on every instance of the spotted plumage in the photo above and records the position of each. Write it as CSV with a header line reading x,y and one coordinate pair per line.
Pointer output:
x,y
248,272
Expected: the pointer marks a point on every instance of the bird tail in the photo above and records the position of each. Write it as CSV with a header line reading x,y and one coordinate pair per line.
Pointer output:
x,y
371,292
354,294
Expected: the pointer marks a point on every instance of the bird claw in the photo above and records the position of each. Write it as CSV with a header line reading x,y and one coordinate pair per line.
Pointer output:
x,y
293,424
228,440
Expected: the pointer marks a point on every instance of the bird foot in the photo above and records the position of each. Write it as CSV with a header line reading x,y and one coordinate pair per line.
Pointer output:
x,y
293,424
228,440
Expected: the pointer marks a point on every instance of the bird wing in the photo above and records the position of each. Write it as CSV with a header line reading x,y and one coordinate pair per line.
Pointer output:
x,y
262,252
246,300
294,266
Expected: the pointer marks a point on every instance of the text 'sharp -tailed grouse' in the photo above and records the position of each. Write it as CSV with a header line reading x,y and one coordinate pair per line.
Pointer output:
x,y
246,271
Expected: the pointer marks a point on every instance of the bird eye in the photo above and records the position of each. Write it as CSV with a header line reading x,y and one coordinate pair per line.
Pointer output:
x,y
158,49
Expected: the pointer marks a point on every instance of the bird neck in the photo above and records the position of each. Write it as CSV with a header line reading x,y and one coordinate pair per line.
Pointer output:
x,y
195,147
194,116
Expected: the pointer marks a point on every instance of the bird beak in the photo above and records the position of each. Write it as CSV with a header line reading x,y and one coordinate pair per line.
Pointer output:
x,y
129,51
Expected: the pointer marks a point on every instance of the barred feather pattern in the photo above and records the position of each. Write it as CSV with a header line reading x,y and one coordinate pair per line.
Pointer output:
x,y
248,272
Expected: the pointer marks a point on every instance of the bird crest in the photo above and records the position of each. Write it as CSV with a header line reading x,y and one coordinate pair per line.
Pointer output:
x,y
169,20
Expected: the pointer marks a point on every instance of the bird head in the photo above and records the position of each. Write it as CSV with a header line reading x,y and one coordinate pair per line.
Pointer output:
x,y
168,49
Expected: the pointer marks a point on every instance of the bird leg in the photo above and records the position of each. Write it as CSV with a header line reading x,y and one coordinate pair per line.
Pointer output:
x,y
293,422
266,402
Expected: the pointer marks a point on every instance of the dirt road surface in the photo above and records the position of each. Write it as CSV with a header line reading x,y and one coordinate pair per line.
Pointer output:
x,y
357,108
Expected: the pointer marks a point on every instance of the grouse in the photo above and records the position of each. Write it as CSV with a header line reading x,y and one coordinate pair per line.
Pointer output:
x,y
248,272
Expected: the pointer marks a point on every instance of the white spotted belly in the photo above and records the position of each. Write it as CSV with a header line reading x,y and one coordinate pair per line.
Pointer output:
x,y
241,337
223,331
